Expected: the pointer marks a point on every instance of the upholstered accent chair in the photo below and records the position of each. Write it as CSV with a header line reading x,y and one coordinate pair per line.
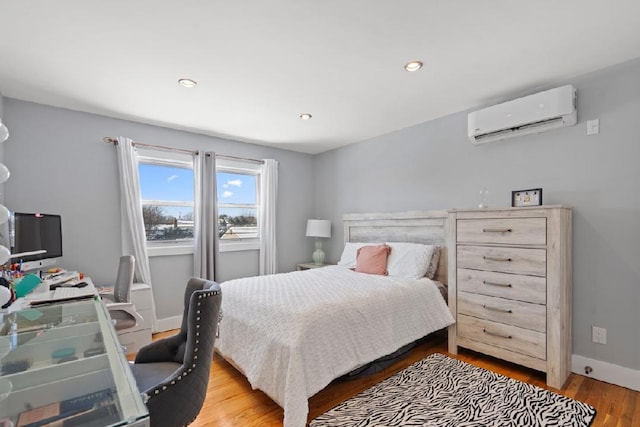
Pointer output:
x,y
174,372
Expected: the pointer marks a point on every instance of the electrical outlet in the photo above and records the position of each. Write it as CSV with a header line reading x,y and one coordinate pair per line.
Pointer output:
x,y
593,127
598,335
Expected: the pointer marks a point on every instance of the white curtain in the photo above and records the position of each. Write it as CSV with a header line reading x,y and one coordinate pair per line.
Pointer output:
x,y
267,216
132,224
205,216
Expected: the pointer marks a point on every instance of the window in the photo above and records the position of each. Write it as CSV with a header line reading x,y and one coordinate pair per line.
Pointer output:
x,y
167,193
238,195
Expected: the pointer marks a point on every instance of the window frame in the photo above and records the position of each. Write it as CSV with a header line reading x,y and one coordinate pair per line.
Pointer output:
x,y
186,247
242,168
164,248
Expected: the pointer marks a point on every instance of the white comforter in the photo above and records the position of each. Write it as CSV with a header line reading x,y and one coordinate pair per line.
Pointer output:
x,y
291,334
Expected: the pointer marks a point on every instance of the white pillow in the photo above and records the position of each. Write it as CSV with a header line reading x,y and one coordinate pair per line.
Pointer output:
x,y
410,260
350,252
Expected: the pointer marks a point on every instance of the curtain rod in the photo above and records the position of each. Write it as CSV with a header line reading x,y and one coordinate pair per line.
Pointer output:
x,y
114,141
110,140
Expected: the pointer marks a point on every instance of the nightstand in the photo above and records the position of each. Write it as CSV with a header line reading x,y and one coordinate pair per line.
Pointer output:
x,y
309,265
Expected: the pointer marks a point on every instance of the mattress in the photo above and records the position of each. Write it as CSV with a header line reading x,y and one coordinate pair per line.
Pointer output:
x,y
291,334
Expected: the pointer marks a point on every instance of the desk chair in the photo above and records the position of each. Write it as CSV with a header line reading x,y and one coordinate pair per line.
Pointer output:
x,y
174,372
122,311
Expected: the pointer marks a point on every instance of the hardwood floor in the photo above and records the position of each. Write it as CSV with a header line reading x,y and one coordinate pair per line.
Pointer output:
x,y
231,402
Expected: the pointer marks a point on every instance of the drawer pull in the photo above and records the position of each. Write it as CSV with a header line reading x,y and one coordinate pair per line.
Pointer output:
x,y
497,335
502,310
496,258
504,285
497,230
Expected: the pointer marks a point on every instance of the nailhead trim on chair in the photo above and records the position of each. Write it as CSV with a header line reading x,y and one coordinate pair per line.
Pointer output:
x,y
184,374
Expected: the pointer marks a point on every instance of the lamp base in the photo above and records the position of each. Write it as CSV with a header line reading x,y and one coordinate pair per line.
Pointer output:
x,y
318,254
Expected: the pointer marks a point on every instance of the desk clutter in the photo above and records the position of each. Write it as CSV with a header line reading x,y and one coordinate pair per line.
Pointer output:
x,y
15,284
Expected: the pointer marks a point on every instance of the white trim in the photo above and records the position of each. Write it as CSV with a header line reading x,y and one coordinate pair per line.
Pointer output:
x,y
164,158
172,203
607,372
237,166
228,246
168,323
169,249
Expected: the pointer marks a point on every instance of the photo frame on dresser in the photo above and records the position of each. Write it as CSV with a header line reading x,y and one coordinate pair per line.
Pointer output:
x,y
532,197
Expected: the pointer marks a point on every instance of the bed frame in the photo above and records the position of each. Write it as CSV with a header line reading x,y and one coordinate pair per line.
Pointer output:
x,y
428,227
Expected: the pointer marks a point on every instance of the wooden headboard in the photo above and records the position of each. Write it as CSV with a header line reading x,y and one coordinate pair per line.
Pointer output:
x,y
428,227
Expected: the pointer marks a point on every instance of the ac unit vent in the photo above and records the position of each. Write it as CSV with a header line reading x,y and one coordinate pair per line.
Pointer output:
x,y
535,113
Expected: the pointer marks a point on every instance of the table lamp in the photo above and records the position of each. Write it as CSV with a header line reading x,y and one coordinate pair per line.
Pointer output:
x,y
318,228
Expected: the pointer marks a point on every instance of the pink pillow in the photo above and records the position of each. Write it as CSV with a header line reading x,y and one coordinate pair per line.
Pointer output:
x,y
373,259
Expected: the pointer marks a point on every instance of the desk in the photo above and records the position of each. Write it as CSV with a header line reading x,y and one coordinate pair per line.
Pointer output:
x,y
66,352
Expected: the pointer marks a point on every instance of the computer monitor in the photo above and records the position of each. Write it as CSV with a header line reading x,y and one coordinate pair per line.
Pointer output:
x,y
32,233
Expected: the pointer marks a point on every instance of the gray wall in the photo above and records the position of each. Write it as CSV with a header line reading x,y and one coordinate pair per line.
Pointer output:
x,y
59,164
434,166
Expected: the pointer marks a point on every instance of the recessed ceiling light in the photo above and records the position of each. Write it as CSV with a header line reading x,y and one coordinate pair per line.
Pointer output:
x,y
413,66
187,82
305,116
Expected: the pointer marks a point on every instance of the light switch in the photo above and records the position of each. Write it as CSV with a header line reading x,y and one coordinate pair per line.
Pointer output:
x,y
593,127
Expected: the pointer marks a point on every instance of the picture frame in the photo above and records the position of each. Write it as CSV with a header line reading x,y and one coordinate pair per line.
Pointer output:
x,y
531,197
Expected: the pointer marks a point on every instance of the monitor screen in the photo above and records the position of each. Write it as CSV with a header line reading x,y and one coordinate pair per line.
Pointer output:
x,y
34,232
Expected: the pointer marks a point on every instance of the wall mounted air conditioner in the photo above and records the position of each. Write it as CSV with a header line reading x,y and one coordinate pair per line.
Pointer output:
x,y
551,109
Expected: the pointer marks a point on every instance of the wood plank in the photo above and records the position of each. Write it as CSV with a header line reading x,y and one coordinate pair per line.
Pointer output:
x,y
513,231
452,297
513,286
505,260
427,227
521,314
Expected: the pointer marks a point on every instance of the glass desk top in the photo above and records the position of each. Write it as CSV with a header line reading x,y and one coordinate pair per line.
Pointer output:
x,y
62,365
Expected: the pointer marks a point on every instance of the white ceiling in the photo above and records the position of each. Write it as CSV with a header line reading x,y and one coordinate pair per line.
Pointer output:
x,y
260,63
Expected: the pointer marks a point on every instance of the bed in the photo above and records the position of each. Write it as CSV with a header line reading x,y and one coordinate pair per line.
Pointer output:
x,y
291,334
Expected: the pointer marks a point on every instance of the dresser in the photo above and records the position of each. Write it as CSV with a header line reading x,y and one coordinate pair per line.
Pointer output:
x,y
510,286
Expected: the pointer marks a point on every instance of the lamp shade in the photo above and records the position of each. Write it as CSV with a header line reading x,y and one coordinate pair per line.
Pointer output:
x,y
4,214
4,132
318,228
4,173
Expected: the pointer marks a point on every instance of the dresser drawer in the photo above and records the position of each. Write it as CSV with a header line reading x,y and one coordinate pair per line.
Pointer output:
x,y
506,260
512,231
517,313
512,338
513,286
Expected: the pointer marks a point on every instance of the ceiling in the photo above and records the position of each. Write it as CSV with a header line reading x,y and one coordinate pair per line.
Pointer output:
x,y
259,64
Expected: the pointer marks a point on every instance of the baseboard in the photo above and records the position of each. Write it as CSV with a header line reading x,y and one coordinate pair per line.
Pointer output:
x,y
168,323
607,372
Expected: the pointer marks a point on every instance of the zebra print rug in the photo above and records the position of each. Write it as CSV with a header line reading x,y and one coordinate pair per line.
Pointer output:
x,y
441,391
